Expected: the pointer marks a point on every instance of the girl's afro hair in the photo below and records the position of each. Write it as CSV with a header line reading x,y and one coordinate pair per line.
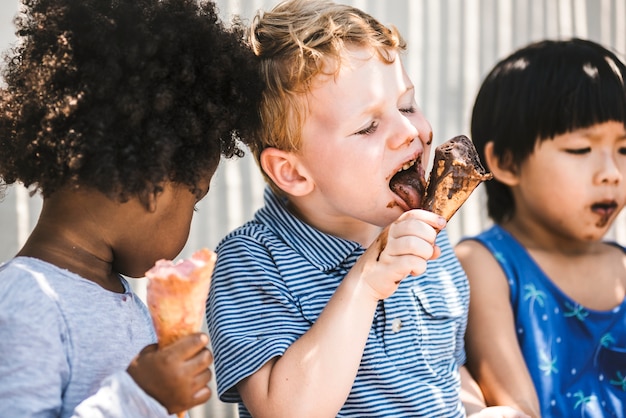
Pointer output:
x,y
123,95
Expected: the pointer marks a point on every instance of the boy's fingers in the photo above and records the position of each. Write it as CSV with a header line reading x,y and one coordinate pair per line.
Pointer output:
x,y
436,252
431,218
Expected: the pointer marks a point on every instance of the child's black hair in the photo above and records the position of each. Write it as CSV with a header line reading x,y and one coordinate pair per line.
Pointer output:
x,y
545,89
122,95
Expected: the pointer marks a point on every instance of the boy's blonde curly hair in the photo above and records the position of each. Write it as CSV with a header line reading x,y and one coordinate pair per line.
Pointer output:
x,y
297,41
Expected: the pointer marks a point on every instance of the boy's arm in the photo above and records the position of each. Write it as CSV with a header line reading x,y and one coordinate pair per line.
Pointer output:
x,y
315,374
493,354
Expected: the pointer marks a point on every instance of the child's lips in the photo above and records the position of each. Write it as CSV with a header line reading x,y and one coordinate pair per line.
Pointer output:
x,y
605,210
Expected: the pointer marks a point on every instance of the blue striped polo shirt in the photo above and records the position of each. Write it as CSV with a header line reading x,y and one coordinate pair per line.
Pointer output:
x,y
275,274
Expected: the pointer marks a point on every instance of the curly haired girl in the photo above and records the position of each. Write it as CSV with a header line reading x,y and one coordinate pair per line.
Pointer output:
x,y
117,112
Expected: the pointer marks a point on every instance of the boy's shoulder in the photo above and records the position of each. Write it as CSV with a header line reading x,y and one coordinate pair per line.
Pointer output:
x,y
252,238
272,224
251,231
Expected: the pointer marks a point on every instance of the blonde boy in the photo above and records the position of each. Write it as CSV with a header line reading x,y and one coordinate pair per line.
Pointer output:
x,y
308,314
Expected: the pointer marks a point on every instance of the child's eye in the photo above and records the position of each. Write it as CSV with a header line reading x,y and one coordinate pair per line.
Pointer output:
x,y
369,130
409,110
578,151
622,150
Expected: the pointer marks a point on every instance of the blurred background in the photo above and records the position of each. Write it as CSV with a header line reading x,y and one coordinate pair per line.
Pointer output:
x,y
452,44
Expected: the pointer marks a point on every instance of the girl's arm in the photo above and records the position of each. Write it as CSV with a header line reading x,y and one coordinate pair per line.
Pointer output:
x,y
474,402
493,354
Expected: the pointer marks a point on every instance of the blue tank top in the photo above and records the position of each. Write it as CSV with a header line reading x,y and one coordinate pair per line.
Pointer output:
x,y
576,356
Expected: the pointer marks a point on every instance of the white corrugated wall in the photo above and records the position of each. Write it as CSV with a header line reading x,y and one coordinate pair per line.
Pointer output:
x,y
452,45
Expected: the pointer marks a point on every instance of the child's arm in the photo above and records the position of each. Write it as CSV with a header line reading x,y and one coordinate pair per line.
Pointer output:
x,y
177,375
493,354
315,374
37,363
474,402
471,395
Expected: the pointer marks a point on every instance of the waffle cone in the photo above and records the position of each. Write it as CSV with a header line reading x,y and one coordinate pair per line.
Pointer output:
x,y
177,294
456,172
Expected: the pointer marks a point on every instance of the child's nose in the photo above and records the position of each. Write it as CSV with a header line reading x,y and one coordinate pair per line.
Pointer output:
x,y
424,129
403,139
610,172
407,132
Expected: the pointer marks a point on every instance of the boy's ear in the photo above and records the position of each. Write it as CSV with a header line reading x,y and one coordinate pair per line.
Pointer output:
x,y
503,169
286,172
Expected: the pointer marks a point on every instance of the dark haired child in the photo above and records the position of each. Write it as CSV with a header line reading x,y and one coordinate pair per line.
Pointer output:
x,y
118,113
547,322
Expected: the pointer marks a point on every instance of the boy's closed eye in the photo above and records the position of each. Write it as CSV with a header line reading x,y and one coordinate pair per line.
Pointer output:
x,y
371,128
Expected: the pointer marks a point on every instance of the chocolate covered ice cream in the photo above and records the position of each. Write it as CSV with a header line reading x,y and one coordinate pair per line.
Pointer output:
x,y
456,172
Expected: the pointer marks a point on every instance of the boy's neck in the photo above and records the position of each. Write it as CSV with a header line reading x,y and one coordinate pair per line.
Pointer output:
x,y
353,230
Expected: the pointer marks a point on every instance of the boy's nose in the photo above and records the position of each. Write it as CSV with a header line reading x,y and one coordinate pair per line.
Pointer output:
x,y
403,137
424,129
409,131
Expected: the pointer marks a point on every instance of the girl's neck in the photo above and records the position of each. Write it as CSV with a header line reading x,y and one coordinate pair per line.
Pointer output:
x,y
538,238
67,238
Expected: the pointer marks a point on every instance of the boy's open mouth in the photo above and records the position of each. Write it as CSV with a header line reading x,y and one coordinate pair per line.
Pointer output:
x,y
409,183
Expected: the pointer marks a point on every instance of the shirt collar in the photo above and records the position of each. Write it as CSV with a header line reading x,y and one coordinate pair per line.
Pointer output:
x,y
324,251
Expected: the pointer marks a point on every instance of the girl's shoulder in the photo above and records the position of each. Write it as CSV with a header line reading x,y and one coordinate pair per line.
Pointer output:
x,y
27,281
614,245
25,275
29,299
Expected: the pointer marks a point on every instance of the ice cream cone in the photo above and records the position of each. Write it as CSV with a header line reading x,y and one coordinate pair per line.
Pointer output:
x,y
456,172
176,296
